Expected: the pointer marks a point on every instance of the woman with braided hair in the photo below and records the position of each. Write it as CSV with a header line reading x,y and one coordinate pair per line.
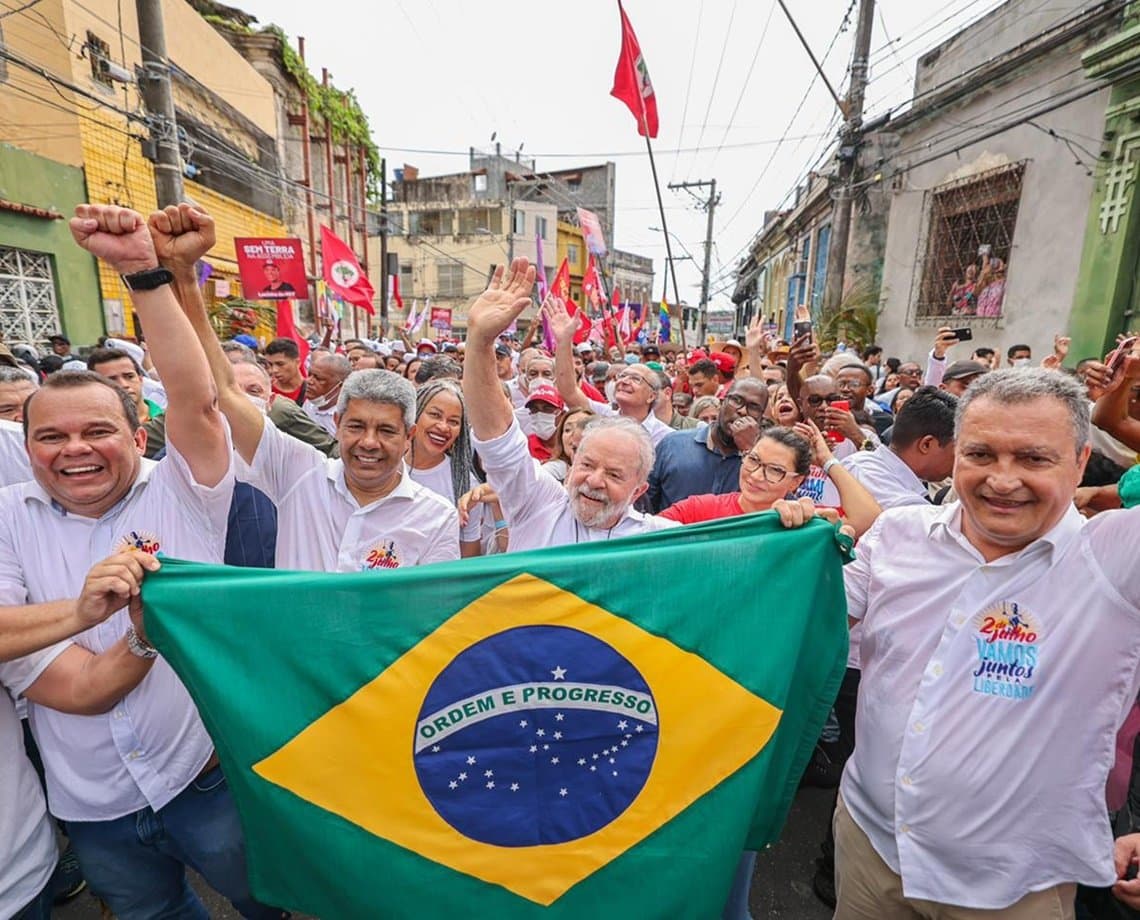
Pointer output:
x,y
440,455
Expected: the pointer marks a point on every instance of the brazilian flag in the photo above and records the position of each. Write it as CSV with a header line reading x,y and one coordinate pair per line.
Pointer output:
x,y
583,731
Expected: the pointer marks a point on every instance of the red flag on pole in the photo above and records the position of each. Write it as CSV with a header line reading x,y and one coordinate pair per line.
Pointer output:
x,y
343,273
287,329
631,81
560,288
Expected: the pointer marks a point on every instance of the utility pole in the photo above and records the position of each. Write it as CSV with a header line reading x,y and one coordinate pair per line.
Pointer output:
x,y
709,205
159,101
383,246
850,138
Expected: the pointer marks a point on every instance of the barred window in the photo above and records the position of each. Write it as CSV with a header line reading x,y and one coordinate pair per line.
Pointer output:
x,y
450,279
966,244
28,311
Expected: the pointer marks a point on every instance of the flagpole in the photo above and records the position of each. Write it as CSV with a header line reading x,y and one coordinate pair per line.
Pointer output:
x,y
665,232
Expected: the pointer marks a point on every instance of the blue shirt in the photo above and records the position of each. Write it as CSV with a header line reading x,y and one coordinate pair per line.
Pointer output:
x,y
685,466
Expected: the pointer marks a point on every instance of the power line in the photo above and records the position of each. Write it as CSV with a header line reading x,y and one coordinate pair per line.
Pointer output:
x,y
716,76
747,80
689,85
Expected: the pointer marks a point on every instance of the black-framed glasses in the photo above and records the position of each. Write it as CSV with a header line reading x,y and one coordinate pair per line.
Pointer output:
x,y
816,400
773,472
755,409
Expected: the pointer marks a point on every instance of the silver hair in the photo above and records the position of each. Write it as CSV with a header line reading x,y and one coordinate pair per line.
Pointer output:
x,y
1012,386
628,426
380,387
15,375
338,364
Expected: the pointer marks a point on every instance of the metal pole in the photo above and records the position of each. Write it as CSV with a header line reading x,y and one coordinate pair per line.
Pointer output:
x,y
849,140
384,246
665,233
156,93
307,151
704,315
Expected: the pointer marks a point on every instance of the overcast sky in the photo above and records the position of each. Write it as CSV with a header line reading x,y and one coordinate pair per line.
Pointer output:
x,y
443,75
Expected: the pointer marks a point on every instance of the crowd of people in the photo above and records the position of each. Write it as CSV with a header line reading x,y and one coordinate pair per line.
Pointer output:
x,y
994,607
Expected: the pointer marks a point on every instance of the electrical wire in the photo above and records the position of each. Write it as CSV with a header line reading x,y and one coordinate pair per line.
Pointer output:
x,y
716,78
747,80
688,88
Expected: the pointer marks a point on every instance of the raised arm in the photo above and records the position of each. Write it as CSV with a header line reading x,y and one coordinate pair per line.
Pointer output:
x,y
859,505
194,425
1110,413
562,327
488,409
182,235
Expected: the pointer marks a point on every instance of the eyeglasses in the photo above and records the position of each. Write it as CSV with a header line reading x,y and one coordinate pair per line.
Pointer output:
x,y
773,473
816,400
910,370
636,377
755,409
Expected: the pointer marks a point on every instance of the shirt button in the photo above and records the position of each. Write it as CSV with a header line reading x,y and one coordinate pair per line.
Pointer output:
x,y
905,829
118,713
907,781
919,727
959,620
936,670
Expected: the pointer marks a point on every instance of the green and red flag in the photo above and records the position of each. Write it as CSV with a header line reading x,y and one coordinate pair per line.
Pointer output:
x,y
541,734
631,80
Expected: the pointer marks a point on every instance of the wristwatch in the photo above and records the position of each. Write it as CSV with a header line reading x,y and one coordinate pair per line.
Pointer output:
x,y
138,646
148,279
868,444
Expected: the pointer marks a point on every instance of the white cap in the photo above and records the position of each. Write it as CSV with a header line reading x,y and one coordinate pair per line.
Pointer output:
x,y
426,343
135,351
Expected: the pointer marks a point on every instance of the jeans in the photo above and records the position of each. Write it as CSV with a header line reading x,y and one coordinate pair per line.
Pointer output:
x,y
137,863
40,906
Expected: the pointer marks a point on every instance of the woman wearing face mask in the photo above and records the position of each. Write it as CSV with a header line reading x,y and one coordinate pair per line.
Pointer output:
x,y
544,406
568,437
440,455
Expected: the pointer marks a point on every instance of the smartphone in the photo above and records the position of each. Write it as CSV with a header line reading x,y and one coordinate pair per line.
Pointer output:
x,y
833,436
964,334
801,328
1117,356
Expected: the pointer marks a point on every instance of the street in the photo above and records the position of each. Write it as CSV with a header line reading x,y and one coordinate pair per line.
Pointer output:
x,y
781,889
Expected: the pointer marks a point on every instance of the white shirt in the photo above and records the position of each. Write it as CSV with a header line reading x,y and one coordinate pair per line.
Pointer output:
x,y
889,480
518,397
537,506
14,465
438,479
322,528
322,417
150,747
982,758
657,429
28,851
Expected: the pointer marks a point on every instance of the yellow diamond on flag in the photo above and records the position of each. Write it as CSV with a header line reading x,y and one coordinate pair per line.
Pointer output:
x,y
528,741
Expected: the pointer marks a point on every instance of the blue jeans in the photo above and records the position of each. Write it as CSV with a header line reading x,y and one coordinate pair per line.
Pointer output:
x,y
137,863
40,906
736,907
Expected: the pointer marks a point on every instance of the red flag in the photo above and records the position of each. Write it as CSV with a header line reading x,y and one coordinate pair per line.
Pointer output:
x,y
343,273
560,288
631,81
396,298
287,329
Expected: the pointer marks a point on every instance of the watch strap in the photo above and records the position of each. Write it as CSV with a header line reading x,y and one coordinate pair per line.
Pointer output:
x,y
148,279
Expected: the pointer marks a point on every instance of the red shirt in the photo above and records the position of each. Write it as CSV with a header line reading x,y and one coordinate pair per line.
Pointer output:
x,y
697,508
593,392
297,395
538,450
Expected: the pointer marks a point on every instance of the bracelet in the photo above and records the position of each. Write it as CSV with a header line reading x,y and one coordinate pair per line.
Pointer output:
x,y
138,646
828,465
501,525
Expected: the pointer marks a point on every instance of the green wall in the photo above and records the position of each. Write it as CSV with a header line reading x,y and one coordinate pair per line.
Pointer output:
x,y
32,180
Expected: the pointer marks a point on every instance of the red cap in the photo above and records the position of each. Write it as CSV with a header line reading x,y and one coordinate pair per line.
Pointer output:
x,y
725,363
697,354
547,394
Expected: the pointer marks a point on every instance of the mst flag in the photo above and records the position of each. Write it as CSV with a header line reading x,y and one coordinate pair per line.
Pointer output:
x,y
540,734
342,272
631,81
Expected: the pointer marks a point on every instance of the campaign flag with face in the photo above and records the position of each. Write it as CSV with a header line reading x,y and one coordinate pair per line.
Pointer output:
x,y
535,734
342,271
271,269
631,80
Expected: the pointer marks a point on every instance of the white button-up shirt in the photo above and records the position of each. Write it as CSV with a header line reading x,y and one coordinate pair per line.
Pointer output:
x,y
657,429
28,853
324,417
14,466
890,481
990,699
537,506
322,528
150,747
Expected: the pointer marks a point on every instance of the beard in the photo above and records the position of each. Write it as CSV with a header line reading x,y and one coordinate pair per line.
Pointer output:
x,y
602,512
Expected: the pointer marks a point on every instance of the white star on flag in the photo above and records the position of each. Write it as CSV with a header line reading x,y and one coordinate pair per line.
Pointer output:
x,y
554,760
558,717
534,748
514,787
622,725
559,673
453,785
470,761
522,724
563,793
558,736
462,777
540,733
640,727
490,773
491,784
581,761
435,748
593,769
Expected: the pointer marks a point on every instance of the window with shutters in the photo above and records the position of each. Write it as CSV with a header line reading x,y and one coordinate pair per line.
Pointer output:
x,y
28,310
450,279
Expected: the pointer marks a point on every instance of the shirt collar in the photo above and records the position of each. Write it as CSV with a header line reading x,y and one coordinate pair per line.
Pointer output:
x,y
903,473
334,470
948,520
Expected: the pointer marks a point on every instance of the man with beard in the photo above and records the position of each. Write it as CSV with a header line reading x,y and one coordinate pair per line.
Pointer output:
x,y
610,466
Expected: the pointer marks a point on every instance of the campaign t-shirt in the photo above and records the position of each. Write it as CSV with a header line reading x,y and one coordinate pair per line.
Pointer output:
x,y
697,508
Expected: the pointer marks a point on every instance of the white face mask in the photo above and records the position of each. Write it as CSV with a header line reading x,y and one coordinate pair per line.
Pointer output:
x,y
1021,362
543,424
611,389
261,403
